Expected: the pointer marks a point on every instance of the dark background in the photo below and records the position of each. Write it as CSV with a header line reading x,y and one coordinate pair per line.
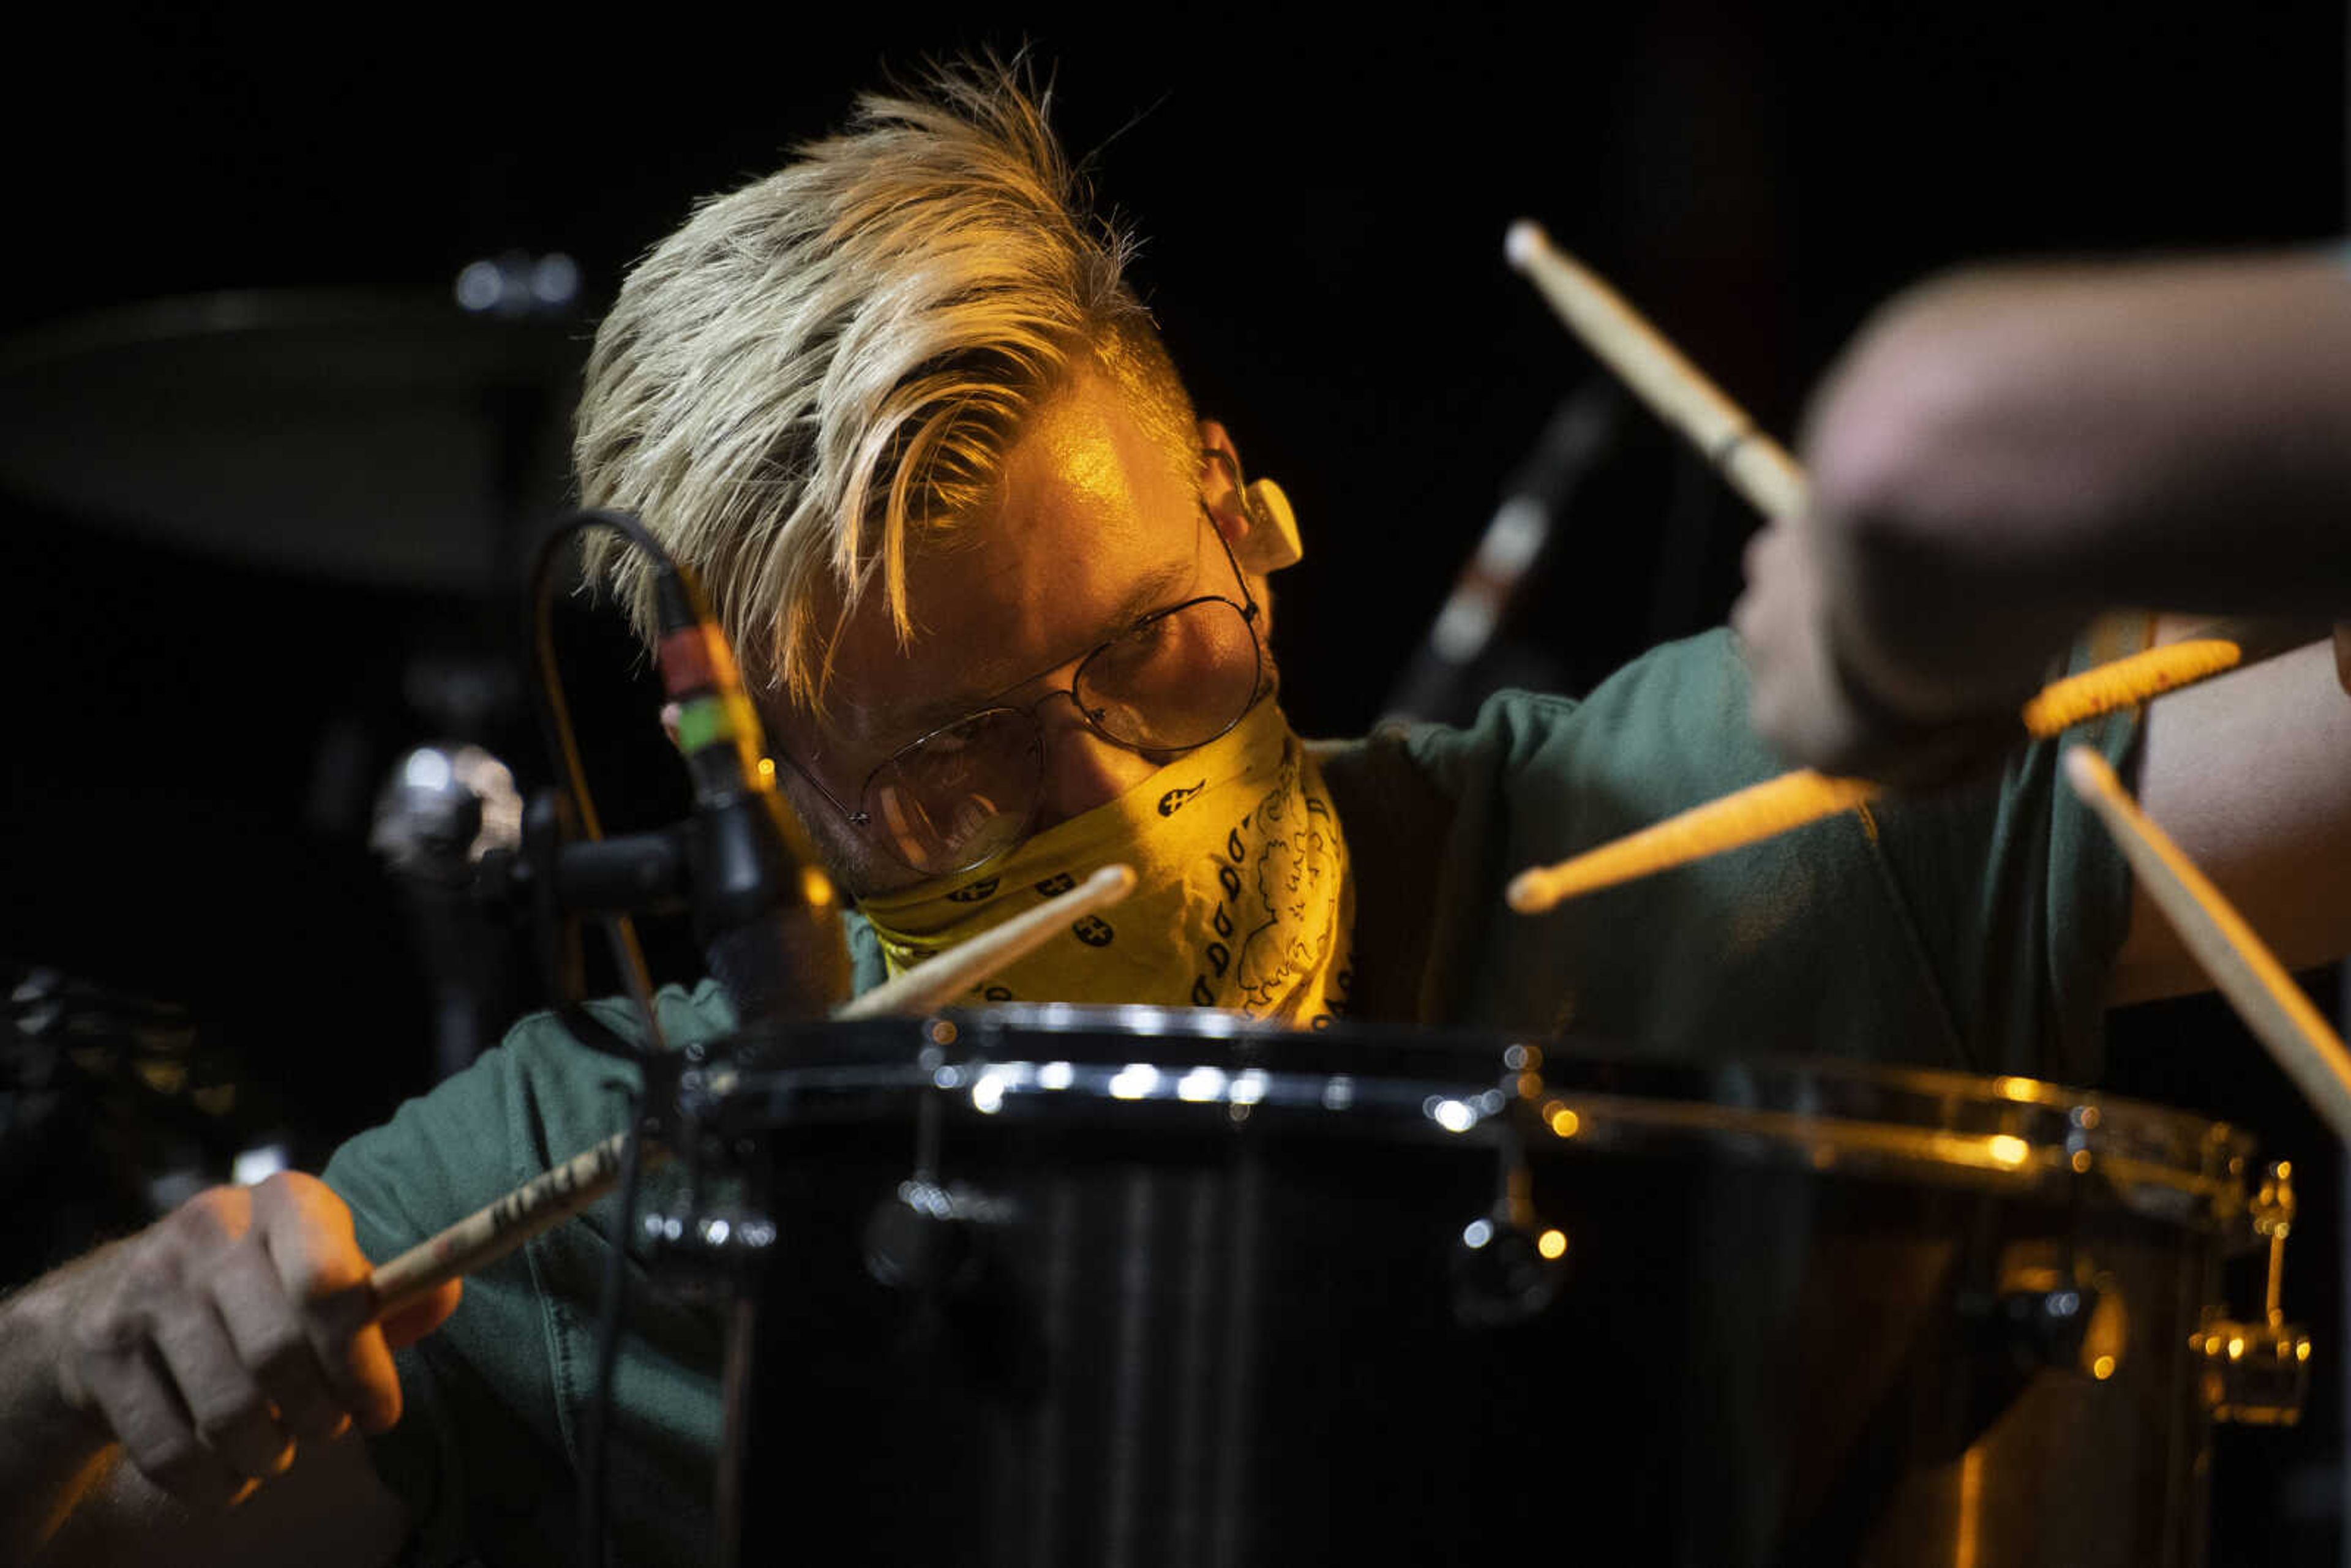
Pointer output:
x,y
198,734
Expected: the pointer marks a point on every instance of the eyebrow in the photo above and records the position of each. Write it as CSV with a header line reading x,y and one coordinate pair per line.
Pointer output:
x,y
1156,590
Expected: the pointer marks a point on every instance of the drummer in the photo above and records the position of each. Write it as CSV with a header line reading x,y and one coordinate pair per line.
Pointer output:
x,y
898,407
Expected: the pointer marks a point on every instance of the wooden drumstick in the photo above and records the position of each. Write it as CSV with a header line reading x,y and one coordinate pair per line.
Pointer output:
x,y
2241,965
952,973
1743,817
545,1201
1792,799
1757,466
492,1231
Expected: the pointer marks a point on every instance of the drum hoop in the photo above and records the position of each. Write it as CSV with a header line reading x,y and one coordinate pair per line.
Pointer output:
x,y
2009,1135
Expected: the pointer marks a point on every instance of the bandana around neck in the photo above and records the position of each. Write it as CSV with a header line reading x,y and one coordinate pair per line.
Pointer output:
x,y
1243,894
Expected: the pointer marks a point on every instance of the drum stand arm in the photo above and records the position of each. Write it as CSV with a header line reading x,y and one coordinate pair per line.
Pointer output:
x,y
2258,1374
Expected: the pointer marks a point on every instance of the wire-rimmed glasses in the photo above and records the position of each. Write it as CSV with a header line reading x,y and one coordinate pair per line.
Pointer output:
x,y
967,792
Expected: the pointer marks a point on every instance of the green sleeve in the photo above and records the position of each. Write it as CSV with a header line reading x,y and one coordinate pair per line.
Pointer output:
x,y
1972,929
485,1452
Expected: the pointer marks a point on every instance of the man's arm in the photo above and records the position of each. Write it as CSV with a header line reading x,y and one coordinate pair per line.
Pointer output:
x,y
190,1395
2251,774
2004,454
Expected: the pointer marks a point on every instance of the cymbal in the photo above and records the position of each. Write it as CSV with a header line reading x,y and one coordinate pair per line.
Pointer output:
x,y
391,439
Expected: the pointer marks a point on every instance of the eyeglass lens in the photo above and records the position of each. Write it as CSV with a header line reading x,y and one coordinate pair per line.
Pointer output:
x,y
967,793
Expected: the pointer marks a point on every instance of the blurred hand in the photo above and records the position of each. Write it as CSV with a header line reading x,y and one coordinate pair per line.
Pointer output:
x,y
1804,699
216,1340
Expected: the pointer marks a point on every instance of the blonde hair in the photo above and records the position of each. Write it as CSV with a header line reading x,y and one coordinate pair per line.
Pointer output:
x,y
825,368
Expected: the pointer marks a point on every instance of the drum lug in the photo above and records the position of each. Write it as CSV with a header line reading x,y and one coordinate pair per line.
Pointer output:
x,y
2258,1374
924,1238
2052,1307
2048,1327
1505,1273
1508,1265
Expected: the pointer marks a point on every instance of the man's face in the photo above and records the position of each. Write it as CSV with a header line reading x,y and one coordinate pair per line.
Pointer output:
x,y
1098,525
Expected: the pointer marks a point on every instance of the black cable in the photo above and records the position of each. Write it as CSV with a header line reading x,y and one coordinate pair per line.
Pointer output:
x,y
610,1296
562,742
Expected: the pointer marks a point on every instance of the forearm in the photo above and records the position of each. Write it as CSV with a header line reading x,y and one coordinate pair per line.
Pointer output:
x,y
2006,453
52,1454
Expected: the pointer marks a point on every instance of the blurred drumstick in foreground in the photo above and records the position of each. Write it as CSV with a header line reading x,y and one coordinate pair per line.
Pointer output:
x,y
2241,965
1792,799
545,1201
1757,466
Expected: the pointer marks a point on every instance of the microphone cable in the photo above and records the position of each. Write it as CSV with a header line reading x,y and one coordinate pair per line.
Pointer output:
x,y
561,739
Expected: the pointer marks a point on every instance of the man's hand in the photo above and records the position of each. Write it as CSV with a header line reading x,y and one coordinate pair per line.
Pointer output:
x,y
2001,454
1809,702
216,1340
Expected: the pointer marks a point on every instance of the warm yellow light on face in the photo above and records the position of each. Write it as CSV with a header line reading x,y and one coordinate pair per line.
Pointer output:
x,y
1551,1244
2008,1149
2103,1368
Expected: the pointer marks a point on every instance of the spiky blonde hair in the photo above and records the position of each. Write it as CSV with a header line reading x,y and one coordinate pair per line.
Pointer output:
x,y
824,369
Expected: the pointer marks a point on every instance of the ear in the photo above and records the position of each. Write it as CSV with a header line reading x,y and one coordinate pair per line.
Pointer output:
x,y
1255,518
669,712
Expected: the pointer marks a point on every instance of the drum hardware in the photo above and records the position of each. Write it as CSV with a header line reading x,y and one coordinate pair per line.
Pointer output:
x,y
1096,1312
1508,1265
443,809
2050,1305
927,1238
2258,1374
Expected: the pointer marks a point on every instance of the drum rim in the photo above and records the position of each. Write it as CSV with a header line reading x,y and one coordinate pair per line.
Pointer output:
x,y
2003,1131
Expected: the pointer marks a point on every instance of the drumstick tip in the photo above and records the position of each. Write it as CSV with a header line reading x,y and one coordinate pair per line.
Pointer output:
x,y
1523,243
2088,771
1526,893
1117,878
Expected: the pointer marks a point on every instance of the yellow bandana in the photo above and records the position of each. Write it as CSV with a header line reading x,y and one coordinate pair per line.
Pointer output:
x,y
1243,898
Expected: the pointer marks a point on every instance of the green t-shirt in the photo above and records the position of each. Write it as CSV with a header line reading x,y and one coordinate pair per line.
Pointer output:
x,y
1973,929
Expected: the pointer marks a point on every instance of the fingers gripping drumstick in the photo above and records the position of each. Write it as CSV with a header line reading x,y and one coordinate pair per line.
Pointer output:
x,y
2241,965
545,1201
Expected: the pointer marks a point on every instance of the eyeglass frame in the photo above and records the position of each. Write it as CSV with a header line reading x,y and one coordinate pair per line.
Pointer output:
x,y
862,819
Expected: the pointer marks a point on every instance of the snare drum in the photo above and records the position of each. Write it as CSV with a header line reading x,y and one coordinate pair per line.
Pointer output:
x,y
1108,1287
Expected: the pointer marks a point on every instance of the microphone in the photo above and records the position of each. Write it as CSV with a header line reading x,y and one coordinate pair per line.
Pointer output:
x,y
1437,682
764,912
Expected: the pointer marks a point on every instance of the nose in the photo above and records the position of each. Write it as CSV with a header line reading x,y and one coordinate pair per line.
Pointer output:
x,y
1082,770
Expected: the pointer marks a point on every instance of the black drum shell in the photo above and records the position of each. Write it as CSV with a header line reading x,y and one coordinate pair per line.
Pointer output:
x,y
1162,1331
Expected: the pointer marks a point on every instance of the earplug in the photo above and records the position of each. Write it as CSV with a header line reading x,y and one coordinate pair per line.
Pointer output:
x,y
1271,542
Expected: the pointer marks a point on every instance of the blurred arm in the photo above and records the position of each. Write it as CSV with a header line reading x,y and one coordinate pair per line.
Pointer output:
x,y
2004,454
